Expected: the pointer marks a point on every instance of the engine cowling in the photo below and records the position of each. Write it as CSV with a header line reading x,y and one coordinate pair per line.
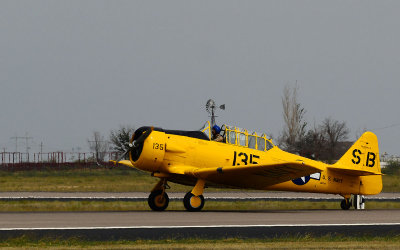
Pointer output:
x,y
150,154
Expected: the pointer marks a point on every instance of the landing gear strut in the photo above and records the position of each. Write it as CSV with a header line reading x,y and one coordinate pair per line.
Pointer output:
x,y
193,201
158,199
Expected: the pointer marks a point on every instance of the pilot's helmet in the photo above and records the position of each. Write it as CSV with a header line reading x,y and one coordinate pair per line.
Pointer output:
x,y
217,129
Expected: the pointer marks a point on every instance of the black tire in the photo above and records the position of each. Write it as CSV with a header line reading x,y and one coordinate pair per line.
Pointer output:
x,y
157,202
188,202
345,204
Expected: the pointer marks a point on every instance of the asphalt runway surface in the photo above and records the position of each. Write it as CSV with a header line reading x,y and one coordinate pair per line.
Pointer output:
x,y
180,224
204,218
206,224
218,196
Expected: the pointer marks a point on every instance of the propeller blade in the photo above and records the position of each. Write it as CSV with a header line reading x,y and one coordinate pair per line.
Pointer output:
x,y
123,155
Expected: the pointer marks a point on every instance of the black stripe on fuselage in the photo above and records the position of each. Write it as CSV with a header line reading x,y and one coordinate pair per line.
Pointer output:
x,y
194,134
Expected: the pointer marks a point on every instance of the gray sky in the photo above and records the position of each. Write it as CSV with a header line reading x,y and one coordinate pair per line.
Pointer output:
x,y
68,68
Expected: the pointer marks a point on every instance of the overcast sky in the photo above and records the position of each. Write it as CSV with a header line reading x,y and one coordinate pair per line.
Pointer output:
x,y
68,68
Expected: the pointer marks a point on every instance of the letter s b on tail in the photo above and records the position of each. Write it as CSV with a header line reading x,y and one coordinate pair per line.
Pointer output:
x,y
363,155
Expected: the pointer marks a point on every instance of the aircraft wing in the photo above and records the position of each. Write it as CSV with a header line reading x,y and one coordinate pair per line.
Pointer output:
x,y
124,162
256,176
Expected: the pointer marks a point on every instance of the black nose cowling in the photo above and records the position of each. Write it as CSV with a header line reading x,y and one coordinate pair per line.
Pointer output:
x,y
140,136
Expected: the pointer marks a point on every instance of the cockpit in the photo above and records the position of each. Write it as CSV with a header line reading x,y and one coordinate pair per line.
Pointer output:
x,y
240,137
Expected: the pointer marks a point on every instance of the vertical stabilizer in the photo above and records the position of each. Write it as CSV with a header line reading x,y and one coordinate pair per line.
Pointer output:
x,y
362,157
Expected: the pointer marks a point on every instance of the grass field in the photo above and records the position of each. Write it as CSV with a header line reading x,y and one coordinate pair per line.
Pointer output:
x,y
105,180
79,180
304,242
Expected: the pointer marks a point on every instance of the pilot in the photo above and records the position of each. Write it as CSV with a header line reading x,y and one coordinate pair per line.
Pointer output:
x,y
215,134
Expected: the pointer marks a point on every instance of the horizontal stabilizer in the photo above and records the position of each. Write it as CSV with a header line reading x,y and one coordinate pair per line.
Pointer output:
x,y
353,172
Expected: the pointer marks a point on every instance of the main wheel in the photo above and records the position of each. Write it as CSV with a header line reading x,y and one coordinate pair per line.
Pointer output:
x,y
157,201
345,204
193,203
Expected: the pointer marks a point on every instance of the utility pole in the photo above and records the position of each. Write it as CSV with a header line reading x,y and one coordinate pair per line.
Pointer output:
x,y
16,142
26,138
26,143
41,151
3,155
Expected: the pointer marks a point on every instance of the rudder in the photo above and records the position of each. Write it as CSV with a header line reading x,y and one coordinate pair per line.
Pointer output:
x,y
363,156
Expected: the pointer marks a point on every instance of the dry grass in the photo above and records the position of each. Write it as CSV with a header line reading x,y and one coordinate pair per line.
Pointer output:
x,y
80,180
391,183
305,242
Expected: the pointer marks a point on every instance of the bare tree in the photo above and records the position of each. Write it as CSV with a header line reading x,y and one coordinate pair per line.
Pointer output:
x,y
120,138
293,115
98,145
334,132
323,142
313,144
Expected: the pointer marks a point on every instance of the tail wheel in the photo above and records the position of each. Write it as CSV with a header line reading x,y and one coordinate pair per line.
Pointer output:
x,y
345,204
193,203
158,200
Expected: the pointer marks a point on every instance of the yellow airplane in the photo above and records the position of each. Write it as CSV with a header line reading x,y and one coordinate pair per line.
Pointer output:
x,y
246,160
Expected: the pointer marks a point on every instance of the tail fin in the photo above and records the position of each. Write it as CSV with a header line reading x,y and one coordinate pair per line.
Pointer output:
x,y
362,158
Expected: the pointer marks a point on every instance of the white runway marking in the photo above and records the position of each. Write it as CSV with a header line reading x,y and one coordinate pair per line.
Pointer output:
x,y
208,226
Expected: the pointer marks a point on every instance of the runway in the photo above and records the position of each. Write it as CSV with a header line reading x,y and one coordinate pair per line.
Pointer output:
x,y
209,224
134,225
216,196
204,218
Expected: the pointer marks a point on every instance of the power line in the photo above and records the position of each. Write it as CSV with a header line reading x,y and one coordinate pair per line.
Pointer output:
x,y
386,127
26,138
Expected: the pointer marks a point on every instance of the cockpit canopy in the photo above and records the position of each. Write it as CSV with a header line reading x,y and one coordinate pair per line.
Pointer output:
x,y
240,137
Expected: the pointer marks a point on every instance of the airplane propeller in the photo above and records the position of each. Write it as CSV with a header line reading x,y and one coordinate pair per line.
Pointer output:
x,y
134,144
